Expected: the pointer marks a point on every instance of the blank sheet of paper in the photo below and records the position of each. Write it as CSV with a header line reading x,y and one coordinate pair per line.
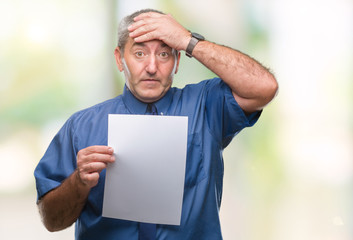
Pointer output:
x,y
146,182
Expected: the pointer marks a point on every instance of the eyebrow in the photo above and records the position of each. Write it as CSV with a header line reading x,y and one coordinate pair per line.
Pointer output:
x,y
139,44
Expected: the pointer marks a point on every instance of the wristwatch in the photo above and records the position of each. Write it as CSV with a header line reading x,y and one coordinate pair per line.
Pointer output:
x,y
195,38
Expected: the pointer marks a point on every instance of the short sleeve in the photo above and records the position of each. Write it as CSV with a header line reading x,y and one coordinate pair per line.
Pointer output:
x,y
58,162
224,115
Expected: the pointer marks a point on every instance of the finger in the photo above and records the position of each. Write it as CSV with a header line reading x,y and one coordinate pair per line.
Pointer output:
x,y
90,179
143,27
146,37
92,167
95,157
140,31
97,149
148,22
136,25
89,173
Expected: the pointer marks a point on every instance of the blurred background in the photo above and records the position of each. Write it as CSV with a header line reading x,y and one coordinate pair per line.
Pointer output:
x,y
289,177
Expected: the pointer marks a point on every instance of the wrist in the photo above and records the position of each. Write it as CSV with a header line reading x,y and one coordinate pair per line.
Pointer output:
x,y
194,40
82,189
185,41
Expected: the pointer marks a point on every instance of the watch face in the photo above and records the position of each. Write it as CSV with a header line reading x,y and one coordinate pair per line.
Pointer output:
x,y
198,36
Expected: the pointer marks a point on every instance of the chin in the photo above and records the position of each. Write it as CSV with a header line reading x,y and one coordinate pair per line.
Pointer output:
x,y
150,95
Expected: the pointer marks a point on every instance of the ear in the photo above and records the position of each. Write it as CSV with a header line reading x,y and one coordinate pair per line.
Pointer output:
x,y
118,57
178,60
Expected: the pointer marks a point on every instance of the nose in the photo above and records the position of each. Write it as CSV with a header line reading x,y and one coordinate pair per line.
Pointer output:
x,y
151,66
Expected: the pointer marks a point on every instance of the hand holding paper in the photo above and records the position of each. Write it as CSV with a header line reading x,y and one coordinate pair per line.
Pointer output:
x,y
91,161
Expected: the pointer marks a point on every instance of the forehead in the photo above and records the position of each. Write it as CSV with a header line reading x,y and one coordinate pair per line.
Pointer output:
x,y
154,44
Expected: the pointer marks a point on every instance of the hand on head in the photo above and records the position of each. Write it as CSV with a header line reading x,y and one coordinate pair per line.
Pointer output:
x,y
155,26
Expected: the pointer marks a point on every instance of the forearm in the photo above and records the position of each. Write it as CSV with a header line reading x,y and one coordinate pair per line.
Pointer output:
x,y
247,78
61,207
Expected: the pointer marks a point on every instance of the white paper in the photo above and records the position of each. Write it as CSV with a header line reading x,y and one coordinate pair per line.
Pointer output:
x,y
146,182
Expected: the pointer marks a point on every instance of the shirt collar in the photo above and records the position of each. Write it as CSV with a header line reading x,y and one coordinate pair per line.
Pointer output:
x,y
136,106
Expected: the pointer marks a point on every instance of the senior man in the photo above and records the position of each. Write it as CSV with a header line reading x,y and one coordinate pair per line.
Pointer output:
x,y
70,176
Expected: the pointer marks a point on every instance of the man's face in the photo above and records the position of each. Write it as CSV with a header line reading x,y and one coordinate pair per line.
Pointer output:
x,y
149,68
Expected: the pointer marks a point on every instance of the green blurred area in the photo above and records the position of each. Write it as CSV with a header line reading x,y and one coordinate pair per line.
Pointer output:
x,y
36,89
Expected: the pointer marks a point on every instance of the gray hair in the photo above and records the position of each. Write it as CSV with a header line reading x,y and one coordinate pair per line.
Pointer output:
x,y
123,33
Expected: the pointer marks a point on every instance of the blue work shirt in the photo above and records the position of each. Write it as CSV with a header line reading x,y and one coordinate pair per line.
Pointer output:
x,y
214,119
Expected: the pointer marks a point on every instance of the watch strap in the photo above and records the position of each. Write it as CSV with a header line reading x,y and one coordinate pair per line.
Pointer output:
x,y
195,38
191,46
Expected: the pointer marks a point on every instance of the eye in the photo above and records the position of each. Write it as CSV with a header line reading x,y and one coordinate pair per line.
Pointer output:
x,y
139,54
164,54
